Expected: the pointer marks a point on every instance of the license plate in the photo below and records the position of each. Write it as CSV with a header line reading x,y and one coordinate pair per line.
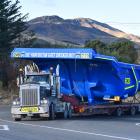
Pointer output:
x,y
29,109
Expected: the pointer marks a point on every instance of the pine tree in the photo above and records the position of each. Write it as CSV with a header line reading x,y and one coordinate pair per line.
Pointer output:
x,y
12,24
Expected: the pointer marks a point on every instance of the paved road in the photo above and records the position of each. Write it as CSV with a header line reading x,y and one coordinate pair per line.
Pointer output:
x,y
78,128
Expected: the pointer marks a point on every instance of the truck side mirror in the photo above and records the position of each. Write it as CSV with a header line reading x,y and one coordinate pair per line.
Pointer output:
x,y
52,82
18,81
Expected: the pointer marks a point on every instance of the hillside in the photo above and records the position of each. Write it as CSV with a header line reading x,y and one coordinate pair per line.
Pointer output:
x,y
55,29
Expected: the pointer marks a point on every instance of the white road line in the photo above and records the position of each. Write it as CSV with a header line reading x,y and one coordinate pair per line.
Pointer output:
x,y
4,127
70,130
137,124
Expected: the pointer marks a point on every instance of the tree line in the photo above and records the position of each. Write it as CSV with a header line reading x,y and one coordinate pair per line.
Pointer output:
x,y
123,50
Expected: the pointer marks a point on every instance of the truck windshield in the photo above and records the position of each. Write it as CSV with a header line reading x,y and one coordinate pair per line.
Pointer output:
x,y
38,78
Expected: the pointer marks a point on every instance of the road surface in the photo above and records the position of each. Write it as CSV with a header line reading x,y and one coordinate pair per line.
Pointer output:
x,y
78,128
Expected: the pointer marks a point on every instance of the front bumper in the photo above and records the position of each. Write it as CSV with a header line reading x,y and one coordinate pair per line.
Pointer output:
x,y
43,111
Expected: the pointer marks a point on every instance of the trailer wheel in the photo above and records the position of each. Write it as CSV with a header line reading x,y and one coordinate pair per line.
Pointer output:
x,y
119,112
66,112
52,112
132,111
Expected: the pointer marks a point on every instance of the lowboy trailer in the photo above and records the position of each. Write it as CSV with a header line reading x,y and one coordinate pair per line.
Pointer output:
x,y
74,81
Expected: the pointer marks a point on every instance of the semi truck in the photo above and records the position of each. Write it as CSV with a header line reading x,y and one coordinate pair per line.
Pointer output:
x,y
70,82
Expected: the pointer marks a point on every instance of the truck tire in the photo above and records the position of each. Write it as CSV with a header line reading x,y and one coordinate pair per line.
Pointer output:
x,y
51,112
133,111
119,112
17,119
65,114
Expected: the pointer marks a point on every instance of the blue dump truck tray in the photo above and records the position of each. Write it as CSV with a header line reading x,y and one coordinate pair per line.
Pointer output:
x,y
86,74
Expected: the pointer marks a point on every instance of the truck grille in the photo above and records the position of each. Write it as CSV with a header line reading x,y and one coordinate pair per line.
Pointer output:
x,y
29,97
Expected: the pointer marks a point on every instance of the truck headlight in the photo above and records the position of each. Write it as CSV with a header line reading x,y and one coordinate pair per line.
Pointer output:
x,y
16,102
44,101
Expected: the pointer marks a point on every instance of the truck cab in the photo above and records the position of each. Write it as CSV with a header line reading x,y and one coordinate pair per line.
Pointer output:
x,y
39,96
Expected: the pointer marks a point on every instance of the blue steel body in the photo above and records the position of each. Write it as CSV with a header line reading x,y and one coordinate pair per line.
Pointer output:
x,y
85,73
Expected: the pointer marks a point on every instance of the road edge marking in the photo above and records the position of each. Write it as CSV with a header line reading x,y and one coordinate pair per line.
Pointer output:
x,y
69,130
5,128
137,124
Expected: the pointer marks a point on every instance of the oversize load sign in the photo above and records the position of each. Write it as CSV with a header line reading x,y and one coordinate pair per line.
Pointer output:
x,y
52,55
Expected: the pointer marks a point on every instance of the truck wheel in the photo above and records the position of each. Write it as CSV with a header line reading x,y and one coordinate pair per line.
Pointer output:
x,y
17,119
52,112
132,111
119,112
66,112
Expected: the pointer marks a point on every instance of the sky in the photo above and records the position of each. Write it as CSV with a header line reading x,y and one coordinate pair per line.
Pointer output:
x,y
122,14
